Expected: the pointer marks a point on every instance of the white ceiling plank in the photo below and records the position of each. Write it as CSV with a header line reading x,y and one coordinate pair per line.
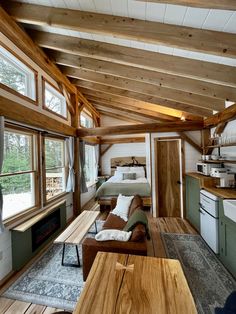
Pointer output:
x,y
155,12
87,5
58,3
175,14
195,18
180,53
217,19
230,26
137,9
73,4
151,47
166,50
119,7
137,44
86,35
103,6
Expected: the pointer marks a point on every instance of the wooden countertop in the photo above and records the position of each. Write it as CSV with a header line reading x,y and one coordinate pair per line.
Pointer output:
x,y
208,183
121,283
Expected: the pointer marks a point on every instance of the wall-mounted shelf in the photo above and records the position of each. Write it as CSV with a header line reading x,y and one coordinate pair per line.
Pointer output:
x,y
221,145
221,161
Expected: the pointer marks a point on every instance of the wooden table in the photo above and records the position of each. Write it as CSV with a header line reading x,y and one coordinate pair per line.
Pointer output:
x,y
75,233
120,283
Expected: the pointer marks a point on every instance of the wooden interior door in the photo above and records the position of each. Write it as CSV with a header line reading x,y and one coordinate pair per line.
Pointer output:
x,y
168,178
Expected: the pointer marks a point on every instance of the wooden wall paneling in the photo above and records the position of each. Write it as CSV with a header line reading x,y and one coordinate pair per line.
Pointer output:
x,y
194,86
184,67
143,97
17,35
142,128
207,41
14,111
145,88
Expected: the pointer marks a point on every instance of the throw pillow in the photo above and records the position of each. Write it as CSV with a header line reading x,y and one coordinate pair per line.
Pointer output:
x,y
122,206
113,234
128,176
122,169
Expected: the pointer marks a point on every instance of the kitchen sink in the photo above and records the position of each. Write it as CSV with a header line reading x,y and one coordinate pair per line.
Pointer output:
x,y
230,209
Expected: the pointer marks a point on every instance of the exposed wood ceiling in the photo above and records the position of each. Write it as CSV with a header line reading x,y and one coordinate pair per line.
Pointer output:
x,y
139,85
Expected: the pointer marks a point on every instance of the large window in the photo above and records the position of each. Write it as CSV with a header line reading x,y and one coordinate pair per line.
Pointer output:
x,y
85,120
55,167
18,177
54,101
90,164
16,75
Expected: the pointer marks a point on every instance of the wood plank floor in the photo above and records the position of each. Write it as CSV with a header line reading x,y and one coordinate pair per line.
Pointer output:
x,y
155,248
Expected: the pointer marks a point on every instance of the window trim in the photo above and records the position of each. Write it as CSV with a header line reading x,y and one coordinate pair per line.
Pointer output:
x,y
64,193
14,92
36,171
44,81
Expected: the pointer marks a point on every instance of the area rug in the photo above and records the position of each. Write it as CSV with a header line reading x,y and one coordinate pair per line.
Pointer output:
x,y
49,283
209,281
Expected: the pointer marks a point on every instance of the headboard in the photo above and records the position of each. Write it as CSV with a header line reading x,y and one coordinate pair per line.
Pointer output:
x,y
127,162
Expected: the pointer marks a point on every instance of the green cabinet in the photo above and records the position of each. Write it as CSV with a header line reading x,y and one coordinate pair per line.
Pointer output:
x,y
227,235
192,201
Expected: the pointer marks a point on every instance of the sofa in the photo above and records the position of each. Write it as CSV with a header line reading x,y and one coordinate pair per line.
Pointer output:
x,y
137,245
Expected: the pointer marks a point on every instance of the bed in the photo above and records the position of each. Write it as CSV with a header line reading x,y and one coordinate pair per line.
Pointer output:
x,y
129,178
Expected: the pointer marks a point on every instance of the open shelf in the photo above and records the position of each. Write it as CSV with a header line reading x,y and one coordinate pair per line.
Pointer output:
x,y
221,161
220,145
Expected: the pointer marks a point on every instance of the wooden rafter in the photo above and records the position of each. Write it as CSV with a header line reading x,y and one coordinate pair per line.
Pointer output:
x,y
142,128
200,87
218,43
87,104
226,115
93,95
131,109
148,89
106,149
143,97
186,138
184,67
16,34
213,4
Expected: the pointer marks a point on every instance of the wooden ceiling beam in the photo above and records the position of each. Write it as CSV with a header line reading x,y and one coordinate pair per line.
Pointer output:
x,y
145,88
131,114
22,40
122,140
184,67
146,98
145,112
213,4
87,104
178,126
96,96
207,41
224,116
147,76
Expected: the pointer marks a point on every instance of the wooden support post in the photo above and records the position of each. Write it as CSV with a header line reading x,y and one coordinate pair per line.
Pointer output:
x,y
206,135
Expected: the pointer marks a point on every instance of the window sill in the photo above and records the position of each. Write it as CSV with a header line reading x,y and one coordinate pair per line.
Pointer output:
x,y
91,184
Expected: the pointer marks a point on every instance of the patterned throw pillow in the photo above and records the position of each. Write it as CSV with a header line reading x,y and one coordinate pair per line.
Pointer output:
x,y
129,176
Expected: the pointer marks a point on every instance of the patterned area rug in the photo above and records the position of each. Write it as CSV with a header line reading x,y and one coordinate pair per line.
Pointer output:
x,y
209,281
49,283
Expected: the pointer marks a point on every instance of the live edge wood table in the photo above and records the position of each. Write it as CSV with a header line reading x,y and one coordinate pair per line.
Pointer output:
x,y
75,233
121,283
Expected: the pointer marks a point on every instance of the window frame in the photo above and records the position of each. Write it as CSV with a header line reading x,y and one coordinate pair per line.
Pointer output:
x,y
44,82
35,170
66,167
91,183
35,73
86,115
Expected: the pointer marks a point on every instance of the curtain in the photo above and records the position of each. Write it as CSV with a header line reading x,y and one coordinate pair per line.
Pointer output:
x,y
83,186
70,187
1,163
96,148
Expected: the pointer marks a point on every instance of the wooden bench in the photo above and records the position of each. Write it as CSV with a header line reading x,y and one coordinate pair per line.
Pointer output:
x,y
75,233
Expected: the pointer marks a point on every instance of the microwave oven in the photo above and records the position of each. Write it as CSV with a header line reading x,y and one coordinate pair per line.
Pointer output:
x,y
205,168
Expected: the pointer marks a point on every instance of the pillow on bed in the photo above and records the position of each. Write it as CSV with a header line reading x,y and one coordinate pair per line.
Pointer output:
x,y
128,176
140,174
122,206
123,169
135,169
113,234
118,175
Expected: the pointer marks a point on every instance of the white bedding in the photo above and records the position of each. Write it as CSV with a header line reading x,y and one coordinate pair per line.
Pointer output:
x,y
115,179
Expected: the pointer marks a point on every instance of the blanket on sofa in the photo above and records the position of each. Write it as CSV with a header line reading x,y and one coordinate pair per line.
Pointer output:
x,y
138,217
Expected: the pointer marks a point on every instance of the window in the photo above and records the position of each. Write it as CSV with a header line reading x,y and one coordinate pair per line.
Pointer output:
x,y
16,75
86,121
55,167
90,164
18,177
54,101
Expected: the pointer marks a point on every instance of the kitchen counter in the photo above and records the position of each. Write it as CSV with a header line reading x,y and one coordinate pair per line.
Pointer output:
x,y
209,183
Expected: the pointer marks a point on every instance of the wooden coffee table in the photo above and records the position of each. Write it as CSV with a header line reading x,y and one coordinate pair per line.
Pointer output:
x,y
75,233
120,283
